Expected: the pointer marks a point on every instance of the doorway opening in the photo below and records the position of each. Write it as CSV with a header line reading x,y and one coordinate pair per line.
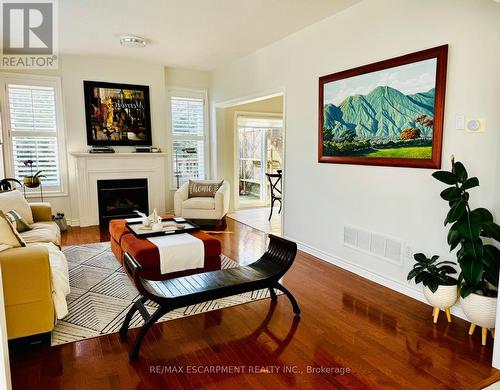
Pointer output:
x,y
254,130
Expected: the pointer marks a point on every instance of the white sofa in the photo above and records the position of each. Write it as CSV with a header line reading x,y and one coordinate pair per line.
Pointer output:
x,y
204,207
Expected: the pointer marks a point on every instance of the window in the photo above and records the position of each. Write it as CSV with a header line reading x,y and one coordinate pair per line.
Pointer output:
x,y
33,130
188,137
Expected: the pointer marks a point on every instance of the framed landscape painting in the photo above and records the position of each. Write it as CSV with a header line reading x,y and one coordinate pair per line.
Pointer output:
x,y
385,113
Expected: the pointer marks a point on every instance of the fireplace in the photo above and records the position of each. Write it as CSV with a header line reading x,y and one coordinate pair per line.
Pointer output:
x,y
119,198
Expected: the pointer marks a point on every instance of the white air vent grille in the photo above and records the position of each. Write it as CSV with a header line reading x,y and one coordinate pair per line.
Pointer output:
x,y
374,244
363,240
350,236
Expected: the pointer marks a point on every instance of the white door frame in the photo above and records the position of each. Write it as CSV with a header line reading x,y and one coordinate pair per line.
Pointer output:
x,y
263,95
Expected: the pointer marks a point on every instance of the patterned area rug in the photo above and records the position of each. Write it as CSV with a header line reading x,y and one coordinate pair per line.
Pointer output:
x,y
101,294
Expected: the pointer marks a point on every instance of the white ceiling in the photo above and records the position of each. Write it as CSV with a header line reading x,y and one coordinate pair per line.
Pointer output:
x,y
195,34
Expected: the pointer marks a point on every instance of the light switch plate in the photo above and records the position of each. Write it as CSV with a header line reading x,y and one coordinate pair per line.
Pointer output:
x,y
460,122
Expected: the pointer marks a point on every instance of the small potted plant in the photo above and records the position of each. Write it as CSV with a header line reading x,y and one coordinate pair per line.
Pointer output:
x,y
473,231
440,289
32,180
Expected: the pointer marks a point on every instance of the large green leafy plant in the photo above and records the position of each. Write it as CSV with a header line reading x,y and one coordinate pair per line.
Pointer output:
x,y
432,274
472,230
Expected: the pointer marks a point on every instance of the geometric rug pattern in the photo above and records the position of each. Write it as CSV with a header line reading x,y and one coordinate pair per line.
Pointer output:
x,y
101,295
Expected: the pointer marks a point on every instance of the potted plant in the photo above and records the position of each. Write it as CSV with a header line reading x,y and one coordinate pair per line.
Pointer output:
x,y
439,287
32,180
473,231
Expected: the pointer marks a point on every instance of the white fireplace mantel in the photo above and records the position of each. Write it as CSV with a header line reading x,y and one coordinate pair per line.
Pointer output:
x,y
91,167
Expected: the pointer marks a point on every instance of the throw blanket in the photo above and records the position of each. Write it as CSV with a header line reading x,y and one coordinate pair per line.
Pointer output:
x,y
179,252
60,278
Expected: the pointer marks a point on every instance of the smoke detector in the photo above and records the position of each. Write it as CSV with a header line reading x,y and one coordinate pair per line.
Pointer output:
x,y
132,41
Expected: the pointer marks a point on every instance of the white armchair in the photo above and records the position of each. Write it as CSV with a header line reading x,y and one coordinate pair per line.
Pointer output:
x,y
203,207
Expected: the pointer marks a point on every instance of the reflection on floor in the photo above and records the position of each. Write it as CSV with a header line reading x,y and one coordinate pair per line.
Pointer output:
x,y
353,334
258,219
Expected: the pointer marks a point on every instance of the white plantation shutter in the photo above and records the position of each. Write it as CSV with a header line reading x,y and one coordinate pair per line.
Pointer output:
x,y
42,150
33,132
188,132
187,116
32,108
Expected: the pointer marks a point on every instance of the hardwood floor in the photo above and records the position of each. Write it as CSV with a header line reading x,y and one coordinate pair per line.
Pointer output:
x,y
365,335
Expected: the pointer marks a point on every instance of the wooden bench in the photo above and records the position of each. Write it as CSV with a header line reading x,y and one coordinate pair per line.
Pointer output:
x,y
193,289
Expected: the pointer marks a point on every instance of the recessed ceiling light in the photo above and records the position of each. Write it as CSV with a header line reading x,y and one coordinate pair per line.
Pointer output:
x,y
132,41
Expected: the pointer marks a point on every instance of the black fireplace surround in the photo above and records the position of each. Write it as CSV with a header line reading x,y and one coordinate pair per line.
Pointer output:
x,y
119,198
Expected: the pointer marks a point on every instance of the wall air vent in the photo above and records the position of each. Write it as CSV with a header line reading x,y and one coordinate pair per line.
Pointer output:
x,y
374,244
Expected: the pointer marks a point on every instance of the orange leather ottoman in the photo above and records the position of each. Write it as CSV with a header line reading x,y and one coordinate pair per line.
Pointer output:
x,y
117,230
146,253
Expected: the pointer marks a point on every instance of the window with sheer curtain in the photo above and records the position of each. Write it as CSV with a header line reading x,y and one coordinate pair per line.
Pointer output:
x,y
188,138
32,126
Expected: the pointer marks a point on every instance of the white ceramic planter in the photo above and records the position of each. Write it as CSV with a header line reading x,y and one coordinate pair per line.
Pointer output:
x,y
443,298
480,310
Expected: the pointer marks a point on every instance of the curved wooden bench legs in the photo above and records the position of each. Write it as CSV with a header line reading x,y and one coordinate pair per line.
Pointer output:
x,y
150,320
273,294
130,314
295,305
148,324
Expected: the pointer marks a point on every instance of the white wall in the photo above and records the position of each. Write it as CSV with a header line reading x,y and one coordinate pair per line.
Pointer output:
x,y
321,198
187,78
74,69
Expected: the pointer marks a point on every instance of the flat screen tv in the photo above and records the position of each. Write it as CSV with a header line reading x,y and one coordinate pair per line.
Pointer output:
x,y
117,114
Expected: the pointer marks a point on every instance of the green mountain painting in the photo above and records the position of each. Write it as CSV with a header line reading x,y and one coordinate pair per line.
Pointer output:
x,y
388,113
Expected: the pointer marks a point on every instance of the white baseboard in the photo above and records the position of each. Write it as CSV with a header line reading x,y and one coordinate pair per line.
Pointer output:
x,y
74,222
396,285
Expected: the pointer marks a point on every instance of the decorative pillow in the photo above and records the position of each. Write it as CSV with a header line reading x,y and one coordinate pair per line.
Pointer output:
x,y
14,200
9,237
20,224
203,188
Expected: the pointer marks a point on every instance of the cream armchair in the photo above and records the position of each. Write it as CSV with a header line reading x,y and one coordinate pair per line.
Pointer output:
x,y
204,207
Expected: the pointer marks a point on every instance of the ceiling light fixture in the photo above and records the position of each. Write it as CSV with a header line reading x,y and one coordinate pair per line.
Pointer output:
x,y
132,41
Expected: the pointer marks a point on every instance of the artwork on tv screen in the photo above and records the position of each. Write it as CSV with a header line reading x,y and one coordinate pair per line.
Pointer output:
x,y
117,114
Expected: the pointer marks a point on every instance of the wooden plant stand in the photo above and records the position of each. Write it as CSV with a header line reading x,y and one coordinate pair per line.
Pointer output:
x,y
484,333
435,314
